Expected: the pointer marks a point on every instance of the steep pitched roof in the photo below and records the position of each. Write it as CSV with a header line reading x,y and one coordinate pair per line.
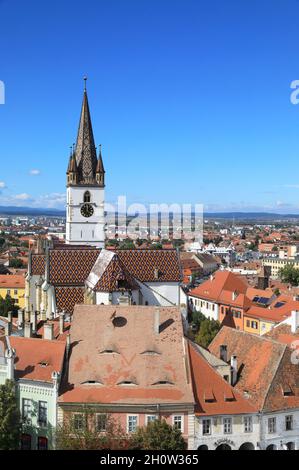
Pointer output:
x,y
38,264
86,157
113,345
71,266
213,395
14,281
220,286
109,274
143,264
36,359
258,361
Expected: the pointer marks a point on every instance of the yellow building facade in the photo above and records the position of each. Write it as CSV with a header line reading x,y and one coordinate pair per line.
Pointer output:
x,y
14,286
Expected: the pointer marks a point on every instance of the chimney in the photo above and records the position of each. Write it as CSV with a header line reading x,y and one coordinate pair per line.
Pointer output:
x,y
20,319
9,317
61,323
157,321
294,321
8,328
223,352
28,329
10,355
49,331
33,319
234,369
68,345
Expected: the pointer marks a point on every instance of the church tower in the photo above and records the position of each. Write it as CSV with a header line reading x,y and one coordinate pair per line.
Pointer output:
x,y
85,220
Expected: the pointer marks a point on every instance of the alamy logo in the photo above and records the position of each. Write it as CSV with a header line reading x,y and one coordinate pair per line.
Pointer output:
x,y
2,92
295,94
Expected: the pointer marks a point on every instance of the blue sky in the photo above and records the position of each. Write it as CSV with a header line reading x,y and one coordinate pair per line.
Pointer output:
x,y
190,99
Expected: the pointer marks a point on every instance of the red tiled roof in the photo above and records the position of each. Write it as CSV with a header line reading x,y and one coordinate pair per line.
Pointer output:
x,y
213,395
13,281
258,361
220,287
33,353
140,355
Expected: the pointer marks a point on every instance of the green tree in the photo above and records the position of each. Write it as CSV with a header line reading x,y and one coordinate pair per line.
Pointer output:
x,y
7,305
207,331
289,274
70,436
158,435
2,242
10,423
16,263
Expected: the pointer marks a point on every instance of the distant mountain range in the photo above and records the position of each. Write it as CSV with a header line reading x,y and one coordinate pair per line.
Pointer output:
x,y
30,211
39,212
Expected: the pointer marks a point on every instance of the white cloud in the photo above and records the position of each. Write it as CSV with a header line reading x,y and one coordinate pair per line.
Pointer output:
x,y
2,185
22,197
34,172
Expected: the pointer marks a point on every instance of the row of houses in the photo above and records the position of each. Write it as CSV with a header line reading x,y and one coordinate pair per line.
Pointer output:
x,y
228,298
135,363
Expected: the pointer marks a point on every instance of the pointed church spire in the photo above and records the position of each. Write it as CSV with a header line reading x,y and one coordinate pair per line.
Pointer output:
x,y
100,165
85,152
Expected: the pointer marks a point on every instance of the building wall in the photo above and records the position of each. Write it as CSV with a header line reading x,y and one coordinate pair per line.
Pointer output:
x,y
82,230
35,392
165,294
217,436
276,264
281,436
263,326
235,312
207,308
15,293
121,418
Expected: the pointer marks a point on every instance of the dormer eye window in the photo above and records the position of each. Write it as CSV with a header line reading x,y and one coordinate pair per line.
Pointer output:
x,y
44,363
87,197
150,352
91,382
126,382
109,351
163,382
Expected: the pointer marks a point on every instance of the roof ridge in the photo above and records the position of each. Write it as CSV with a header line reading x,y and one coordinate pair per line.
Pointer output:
x,y
274,375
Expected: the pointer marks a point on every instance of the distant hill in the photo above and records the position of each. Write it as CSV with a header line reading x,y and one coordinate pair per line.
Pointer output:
x,y
30,211
39,212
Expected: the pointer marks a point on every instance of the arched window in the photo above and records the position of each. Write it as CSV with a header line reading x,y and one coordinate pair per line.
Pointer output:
x,y
87,196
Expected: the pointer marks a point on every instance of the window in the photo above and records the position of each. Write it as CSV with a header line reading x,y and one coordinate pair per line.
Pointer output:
x,y
151,418
248,424
178,423
42,413
8,291
227,425
101,422
248,323
86,196
206,426
132,421
289,423
42,443
15,292
78,421
254,325
271,425
26,409
25,442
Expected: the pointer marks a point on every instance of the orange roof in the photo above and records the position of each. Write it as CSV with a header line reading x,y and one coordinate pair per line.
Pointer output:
x,y
32,354
253,292
272,315
106,356
213,395
258,359
220,287
16,281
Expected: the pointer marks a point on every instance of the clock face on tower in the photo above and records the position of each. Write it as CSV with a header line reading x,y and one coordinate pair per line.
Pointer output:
x,y
87,210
